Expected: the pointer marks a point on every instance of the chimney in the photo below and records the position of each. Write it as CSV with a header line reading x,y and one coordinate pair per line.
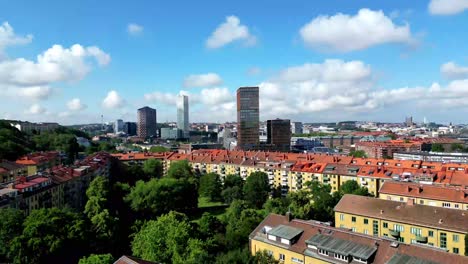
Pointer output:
x,y
288,216
408,188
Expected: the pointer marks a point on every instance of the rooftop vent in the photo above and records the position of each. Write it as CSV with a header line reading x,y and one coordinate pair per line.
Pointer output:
x,y
381,211
394,244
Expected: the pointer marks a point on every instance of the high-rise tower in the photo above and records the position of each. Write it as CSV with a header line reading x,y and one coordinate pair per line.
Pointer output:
x,y
183,115
248,117
146,122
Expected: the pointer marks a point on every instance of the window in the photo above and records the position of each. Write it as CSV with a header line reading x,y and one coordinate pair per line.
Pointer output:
x,y
431,233
323,252
430,244
375,227
353,219
455,250
270,253
366,231
443,240
456,205
402,199
401,239
366,221
353,229
296,260
385,225
282,257
341,257
446,205
399,228
455,238
341,226
421,201
341,217
385,235
416,231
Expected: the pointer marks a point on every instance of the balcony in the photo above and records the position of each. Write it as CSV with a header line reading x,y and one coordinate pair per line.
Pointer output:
x,y
421,239
394,233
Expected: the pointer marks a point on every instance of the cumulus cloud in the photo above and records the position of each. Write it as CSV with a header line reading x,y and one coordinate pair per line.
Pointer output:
x,y
134,29
451,70
8,37
36,109
344,33
113,100
75,104
229,31
447,7
202,80
163,98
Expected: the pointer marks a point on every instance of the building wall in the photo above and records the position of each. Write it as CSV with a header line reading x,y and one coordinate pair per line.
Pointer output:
x,y
424,201
248,112
345,220
146,125
275,251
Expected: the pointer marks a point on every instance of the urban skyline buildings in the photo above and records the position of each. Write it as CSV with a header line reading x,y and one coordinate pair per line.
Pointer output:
x,y
146,122
183,115
248,118
279,134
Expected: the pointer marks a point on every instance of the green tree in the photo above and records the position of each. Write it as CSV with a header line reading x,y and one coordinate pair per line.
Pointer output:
x,y
358,154
169,239
153,168
352,187
50,235
323,201
133,173
97,259
263,257
236,256
232,180
232,188
437,147
157,149
277,205
13,143
159,196
457,147
209,226
180,170
240,222
10,226
97,208
210,186
257,189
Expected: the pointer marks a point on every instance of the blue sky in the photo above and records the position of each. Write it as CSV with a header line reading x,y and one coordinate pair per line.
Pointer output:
x,y
313,60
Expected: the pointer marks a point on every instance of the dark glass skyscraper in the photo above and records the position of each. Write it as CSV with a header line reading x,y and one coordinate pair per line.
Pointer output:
x,y
248,112
279,134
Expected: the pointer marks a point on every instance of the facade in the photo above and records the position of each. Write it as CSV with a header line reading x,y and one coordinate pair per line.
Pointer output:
x,y
408,223
118,126
433,156
279,134
170,133
130,128
409,121
296,128
424,194
39,162
386,149
305,242
183,115
248,118
146,124
9,171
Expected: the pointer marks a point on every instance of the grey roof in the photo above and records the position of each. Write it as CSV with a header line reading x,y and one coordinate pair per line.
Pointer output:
x,y
400,258
341,246
286,232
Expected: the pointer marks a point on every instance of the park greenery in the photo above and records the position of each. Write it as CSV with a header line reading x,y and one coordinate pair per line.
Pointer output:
x,y
179,217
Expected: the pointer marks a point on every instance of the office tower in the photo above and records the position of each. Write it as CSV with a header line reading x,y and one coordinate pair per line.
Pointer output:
x,y
409,121
183,115
118,126
146,122
248,118
296,128
279,134
130,128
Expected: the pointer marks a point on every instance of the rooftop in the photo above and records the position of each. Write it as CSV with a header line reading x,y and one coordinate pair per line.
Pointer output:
x,y
421,215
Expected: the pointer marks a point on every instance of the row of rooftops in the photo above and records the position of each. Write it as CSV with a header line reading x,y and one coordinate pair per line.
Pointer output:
x,y
56,175
315,239
405,170
39,158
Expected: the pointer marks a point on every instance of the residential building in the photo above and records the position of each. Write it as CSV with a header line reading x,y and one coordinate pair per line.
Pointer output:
x,y
132,260
299,241
170,133
38,127
424,194
146,124
130,128
279,134
248,118
183,115
296,128
433,156
407,223
39,161
9,171
118,126
386,149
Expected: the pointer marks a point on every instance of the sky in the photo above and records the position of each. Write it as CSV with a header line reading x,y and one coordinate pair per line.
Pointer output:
x,y
314,61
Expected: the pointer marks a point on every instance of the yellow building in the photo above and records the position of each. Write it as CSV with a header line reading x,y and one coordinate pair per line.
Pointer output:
x,y
294,241
404,222
432,195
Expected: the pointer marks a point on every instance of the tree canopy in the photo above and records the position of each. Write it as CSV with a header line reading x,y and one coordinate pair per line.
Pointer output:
x,y
153,168
257,189
210,186
97,259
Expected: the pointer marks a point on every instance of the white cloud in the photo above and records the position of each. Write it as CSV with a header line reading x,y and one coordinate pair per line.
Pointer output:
x,y
215,96
35,92
163,98
8,37
451,70
113,100
202,80
229,31
36,109
75,104
346,33
134,29
447,7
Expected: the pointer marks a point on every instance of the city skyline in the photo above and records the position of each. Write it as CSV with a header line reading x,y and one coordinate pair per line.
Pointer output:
x,y
308,69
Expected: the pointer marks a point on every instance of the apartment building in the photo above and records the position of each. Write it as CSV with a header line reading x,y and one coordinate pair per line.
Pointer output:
x,y
423,194
9,171
386,149
409,223
299,241
39,161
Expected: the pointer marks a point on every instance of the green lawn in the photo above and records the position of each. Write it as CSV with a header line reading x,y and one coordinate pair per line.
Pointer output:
x,y
205,205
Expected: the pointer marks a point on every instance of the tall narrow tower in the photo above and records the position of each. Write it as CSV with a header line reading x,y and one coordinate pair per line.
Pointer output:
x,y
248,118
146,123
183,115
